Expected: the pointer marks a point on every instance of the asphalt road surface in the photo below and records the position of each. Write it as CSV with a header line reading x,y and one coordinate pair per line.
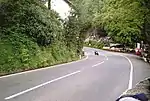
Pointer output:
x,y
95,78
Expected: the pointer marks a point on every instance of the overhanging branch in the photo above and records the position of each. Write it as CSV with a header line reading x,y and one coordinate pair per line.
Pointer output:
x,y
71,4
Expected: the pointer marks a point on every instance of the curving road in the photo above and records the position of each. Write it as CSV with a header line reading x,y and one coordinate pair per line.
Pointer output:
x,y
95,78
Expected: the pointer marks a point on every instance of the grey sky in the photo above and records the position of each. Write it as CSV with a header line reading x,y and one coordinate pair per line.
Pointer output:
x,y
61,7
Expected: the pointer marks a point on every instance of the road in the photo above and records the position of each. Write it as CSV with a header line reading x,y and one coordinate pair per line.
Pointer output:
x,y
95,78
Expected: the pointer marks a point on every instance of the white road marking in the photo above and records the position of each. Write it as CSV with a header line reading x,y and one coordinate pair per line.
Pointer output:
x,y
98,64
136,85
131,72
131,75
107,58
43,68
38,86
104,56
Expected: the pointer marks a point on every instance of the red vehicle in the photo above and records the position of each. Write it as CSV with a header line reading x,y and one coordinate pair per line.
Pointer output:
x,y
138,51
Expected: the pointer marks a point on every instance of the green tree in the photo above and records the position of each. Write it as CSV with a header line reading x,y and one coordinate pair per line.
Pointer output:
x,y
31,36
146,25
74,34
125,21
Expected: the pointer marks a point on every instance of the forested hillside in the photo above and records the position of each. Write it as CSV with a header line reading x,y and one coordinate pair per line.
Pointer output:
x,y
31,36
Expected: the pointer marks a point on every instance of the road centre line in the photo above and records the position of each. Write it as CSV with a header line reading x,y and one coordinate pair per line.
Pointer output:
x,y
104,56
46,83
38,86
98,64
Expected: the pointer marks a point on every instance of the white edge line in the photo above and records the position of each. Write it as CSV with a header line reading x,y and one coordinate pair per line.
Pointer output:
x,y
136,84
40,69
38,86
131,75
131,71
98,64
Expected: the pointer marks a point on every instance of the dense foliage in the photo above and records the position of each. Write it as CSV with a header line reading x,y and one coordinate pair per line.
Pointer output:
x,y
125,21
31,36
122,20
146,24
74,32
24,16
94,44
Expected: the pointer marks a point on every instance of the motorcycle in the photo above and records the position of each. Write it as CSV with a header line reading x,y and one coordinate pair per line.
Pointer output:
x,y
96,53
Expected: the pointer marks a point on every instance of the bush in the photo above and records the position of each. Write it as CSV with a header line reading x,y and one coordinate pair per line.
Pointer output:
x,y
31,18
31,37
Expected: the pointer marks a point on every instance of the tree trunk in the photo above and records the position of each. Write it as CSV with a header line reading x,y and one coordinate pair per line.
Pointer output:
x,y
49,4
